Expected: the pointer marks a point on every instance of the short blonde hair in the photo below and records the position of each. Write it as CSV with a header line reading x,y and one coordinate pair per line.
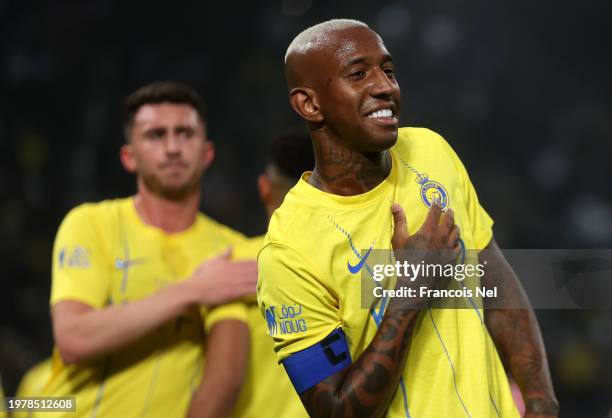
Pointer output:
x,y
316,34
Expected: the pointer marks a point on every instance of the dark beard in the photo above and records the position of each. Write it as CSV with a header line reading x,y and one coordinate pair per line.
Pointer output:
x,y
174,194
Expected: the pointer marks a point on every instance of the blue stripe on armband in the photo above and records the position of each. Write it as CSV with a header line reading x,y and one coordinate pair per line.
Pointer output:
x,y
310,366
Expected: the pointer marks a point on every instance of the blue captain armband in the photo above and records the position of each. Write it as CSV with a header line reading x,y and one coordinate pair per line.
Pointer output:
x,y
316,363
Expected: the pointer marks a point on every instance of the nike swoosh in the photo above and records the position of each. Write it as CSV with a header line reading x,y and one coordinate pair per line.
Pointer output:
x,y
354,269
123,264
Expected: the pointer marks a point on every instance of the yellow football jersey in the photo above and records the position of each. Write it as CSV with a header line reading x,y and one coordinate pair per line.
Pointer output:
x,y
3,406
35,379
267,391
305,276
32,384
103,255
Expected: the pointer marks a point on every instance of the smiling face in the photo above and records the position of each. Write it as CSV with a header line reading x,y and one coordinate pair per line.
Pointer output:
x,y
168,149
353,88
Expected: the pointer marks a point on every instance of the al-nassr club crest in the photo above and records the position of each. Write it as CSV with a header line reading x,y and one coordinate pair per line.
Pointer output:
x,y
432,191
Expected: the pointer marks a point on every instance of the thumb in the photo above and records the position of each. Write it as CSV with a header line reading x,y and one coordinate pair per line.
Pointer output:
x,y
400,226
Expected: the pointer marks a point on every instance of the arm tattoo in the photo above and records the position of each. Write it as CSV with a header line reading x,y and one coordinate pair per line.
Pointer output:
x,y
516,335
365,388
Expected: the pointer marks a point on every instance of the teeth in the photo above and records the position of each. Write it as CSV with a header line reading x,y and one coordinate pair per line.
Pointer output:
x,y
383,113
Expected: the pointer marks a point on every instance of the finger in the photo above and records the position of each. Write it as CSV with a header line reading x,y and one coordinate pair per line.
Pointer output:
x,y
243,288
244,272
400,226
456,251
247,288
245,268
433,217
245,277
448,220
245,264
453,237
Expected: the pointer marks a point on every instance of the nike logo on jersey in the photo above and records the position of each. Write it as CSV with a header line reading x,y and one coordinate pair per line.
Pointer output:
x,y
127,263
355,269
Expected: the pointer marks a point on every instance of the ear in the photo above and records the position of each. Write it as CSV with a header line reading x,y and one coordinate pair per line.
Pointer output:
x,y
126,155
305,102
264,186
208,153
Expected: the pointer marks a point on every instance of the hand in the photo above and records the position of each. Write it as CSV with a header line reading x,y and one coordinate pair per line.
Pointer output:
x,y
436,242
541,408
220,280
437,233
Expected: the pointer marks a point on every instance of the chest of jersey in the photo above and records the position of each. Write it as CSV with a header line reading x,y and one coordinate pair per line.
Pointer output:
x,y
360,238
143,260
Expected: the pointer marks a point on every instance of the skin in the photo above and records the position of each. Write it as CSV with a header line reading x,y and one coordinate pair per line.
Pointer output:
x,y
518,338
168,152
333,85
272,187
217,394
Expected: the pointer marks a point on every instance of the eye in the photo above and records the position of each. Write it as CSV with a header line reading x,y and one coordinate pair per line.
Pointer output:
x,y
185,132
156,133
357,75
389,71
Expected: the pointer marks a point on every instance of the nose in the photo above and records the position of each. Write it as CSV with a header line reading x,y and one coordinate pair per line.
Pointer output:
x,y
382,85
173,144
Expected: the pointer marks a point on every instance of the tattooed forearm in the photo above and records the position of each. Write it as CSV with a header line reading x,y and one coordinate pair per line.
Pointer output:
x,y
365,388
517,337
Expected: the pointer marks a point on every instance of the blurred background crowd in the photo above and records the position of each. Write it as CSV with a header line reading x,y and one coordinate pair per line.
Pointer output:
x,y
521,89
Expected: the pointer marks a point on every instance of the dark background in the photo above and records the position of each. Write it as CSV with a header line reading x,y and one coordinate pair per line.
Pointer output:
x,y
521,89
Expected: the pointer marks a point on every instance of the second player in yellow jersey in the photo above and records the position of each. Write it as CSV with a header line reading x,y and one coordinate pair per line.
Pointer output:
x,y
105,255
133,280
267,391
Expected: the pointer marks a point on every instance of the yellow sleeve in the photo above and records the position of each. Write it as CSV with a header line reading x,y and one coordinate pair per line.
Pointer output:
x,y
299,308
3,406
480,221
211,316
79,270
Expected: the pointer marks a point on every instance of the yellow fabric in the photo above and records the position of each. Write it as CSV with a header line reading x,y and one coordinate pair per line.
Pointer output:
x,y
32,383
452,368
35,379
3,406
103,255
267,391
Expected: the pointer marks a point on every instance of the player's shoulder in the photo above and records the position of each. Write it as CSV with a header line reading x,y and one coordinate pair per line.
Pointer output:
x,y
91,213
288,220
422,141
410,137
291,234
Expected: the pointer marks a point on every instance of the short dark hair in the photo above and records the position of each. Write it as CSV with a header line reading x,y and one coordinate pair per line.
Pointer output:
x,y
160,92
291,152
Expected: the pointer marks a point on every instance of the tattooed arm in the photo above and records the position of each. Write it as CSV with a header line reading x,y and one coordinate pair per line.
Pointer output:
x,y
365,388
517,337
